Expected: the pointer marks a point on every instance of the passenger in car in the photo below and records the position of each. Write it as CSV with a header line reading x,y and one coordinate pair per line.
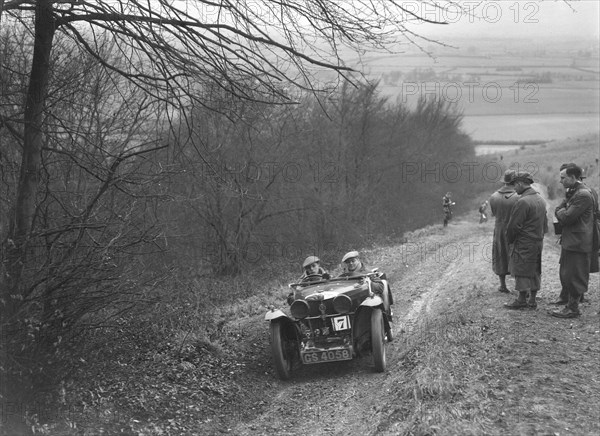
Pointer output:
x,y
354,266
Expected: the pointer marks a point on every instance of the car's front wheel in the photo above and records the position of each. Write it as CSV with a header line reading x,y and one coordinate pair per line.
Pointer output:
x,y
378,340
390,333
281,358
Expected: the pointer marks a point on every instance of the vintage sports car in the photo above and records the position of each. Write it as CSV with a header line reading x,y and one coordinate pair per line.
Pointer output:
x,y
332,320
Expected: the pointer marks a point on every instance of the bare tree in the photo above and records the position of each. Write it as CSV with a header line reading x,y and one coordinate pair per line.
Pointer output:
x,y
171,51
174,47
94,212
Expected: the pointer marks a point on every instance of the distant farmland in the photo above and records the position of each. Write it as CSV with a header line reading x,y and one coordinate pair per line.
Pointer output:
x,y
503,97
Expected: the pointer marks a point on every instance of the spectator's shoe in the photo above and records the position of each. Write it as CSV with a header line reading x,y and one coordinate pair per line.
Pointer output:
x,y
531,301
517,304
559,302
565,313
503,290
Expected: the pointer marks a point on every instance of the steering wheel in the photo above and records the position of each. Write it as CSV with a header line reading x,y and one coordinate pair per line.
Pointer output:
x,y
312,277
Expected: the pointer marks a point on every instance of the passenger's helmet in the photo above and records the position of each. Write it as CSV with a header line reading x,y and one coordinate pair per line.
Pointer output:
x,y
349,255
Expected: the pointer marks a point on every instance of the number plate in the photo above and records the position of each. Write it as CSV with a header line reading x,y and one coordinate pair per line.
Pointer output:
x,y
331,355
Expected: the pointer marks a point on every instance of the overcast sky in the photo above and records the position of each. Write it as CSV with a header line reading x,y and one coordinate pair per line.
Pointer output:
x,y
521,18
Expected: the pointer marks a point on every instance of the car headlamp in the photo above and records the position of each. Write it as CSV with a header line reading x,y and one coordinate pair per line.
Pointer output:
x,y
299,309
342,304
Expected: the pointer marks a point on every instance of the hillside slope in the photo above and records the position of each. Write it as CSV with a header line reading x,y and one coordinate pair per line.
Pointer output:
x,y
461,363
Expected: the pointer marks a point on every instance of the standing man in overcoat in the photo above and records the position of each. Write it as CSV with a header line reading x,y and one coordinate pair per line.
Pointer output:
x,y
525,231
576,216
563,297
501,203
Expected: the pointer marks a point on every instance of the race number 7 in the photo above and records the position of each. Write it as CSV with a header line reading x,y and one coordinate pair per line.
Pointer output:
x,y
341,323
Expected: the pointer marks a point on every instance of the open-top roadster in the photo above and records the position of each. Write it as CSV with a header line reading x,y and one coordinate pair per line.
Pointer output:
x,y
332,320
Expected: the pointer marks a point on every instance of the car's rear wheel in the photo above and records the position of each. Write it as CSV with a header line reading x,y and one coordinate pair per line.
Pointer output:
x,y
378,340
281,359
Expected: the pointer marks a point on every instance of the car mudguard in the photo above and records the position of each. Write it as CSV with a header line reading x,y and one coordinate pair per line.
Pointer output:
x,y
372,301
363,320
273,315
361,329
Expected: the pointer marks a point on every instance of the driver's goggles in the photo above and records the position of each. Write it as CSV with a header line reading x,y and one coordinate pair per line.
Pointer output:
x,y
311,267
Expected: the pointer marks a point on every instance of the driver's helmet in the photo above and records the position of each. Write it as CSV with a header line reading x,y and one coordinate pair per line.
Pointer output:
x,y
310,260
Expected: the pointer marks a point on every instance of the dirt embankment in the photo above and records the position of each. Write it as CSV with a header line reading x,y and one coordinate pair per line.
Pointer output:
x,y
460,364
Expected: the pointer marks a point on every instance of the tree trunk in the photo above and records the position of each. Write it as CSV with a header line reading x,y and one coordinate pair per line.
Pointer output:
x,y
13,285
25,204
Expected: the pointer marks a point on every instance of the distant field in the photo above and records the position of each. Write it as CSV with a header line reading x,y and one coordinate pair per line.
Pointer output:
x,y
503,111
405,62
503,96
497,96
530,127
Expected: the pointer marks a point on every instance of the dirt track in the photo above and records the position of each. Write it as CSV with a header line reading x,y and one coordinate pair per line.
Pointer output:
x,y
437,274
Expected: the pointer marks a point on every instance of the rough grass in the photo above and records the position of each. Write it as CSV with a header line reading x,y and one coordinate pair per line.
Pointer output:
x,y
477,371
545,160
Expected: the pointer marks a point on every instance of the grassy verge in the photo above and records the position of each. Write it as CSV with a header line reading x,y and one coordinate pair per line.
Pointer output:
x,y
474,368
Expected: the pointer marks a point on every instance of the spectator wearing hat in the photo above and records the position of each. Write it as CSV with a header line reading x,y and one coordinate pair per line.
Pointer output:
x,y
501,203
576,216
525,231
313,270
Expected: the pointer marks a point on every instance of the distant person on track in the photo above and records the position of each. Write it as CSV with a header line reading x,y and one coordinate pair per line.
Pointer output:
x,y
483,212
576,215
447,204
525,231
501,203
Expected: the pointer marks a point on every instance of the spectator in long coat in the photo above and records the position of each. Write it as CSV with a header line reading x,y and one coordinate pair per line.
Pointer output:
x,y
576,215
563,298
525,231
501,203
